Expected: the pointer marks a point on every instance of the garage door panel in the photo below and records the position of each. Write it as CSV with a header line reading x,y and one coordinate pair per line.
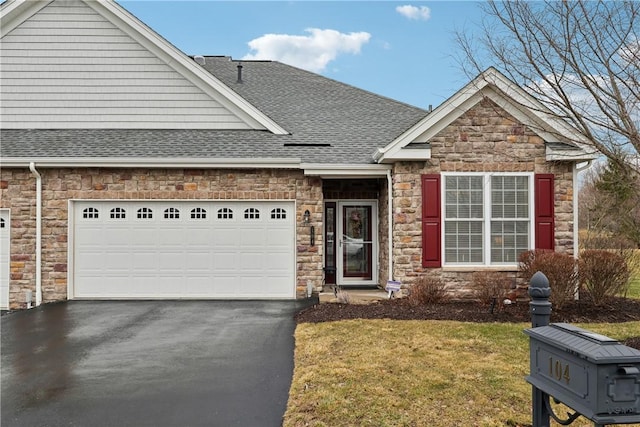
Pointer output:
x,y
252,236
203,250
199,262
165,285
5,248
199,236
278,261
225,237
142,261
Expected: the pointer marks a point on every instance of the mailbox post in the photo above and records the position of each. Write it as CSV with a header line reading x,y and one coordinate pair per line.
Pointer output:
x,y
595,376
540,309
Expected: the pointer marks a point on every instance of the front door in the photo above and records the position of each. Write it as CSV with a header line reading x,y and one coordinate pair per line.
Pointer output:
x,y
357,244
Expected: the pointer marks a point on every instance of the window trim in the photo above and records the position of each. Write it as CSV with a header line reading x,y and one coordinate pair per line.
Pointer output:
x,y
486,244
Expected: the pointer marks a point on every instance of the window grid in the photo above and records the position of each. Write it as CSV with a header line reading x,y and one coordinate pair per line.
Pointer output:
x,y
171,213
2,223
90,213
491,227
198,213
278,213
251,213
225,213
464,216
508,240
118,213
145,213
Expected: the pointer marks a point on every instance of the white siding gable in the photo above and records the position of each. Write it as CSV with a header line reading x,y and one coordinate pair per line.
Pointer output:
x,y
68,67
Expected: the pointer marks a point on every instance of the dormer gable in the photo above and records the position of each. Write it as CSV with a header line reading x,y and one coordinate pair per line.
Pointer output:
x,y
562,141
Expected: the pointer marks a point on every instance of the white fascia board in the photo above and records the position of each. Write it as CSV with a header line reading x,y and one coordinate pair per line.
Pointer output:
x,y
536,108
407,154
330,170
151,162
560,155
178,60
15,12
433,123
505,93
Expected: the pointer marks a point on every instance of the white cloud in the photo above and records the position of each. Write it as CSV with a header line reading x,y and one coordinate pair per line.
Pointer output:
x,y
422,13
311,52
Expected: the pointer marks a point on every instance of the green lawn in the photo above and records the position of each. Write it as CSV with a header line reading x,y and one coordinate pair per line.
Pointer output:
x,y
416,373
634,289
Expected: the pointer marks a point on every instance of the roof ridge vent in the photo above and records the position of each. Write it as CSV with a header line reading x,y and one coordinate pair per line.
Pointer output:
x,y
199,59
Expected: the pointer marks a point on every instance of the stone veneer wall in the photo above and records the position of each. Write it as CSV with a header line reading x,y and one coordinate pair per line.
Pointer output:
x,y
18,192
383,235
484,139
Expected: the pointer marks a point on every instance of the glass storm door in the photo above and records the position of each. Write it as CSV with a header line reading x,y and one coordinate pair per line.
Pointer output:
x,y
356,252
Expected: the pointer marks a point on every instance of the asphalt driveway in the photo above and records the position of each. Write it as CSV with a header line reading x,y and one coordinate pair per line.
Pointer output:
x,y
148,363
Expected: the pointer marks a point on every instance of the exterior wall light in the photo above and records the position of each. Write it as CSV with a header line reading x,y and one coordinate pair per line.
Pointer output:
x,y
305,217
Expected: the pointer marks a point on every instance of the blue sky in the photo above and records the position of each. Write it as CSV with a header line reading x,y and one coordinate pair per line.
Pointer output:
x,y
402,50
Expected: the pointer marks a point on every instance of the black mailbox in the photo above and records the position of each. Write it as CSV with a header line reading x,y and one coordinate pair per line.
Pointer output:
x,y
594,375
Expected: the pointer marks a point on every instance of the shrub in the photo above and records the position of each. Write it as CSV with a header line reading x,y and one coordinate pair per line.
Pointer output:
x,y
603,274
428,290
560,269
491,285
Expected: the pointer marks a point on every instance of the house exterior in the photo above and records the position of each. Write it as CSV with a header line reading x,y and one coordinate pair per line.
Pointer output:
x,y
129,170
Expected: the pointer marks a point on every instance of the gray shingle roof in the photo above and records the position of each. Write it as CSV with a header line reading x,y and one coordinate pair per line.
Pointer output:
x,y
313,108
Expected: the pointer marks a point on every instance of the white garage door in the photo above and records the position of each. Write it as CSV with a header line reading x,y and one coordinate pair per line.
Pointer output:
x,y
180,249
5,225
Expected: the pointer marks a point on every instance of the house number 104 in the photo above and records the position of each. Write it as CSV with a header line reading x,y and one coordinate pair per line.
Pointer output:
x,y
558,370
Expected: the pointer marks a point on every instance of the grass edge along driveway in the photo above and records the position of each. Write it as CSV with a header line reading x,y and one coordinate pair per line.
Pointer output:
x,y
416,373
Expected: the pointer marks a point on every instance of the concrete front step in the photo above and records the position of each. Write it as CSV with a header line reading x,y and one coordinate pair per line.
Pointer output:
x,y
354,296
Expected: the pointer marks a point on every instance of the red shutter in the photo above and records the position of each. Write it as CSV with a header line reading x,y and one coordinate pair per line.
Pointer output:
x,y
431,223
545,222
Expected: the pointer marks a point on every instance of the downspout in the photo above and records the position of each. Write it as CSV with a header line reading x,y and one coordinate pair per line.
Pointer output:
x,y
576,190
32,168
390,223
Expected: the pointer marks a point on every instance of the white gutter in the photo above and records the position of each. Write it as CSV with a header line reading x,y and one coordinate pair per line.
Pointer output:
x,y
390,223
331,170
154,162
32,168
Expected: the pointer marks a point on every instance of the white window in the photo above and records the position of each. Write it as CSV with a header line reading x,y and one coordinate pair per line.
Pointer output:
x,y
145,213
251,213
225,213
118,213
171,213
487,218
90,213
278,213
198,213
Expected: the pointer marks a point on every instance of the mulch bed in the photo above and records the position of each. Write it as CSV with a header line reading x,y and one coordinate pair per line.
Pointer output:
x,y
616,310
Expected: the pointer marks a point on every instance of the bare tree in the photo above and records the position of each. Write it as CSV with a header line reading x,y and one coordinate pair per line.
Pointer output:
x,y
580,59
609,208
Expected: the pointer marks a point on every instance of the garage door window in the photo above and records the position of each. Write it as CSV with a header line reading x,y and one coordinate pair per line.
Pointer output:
x,y
278,213
118,213
198,213
225,213
1,222
171,213
251,213
90,213
145,213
